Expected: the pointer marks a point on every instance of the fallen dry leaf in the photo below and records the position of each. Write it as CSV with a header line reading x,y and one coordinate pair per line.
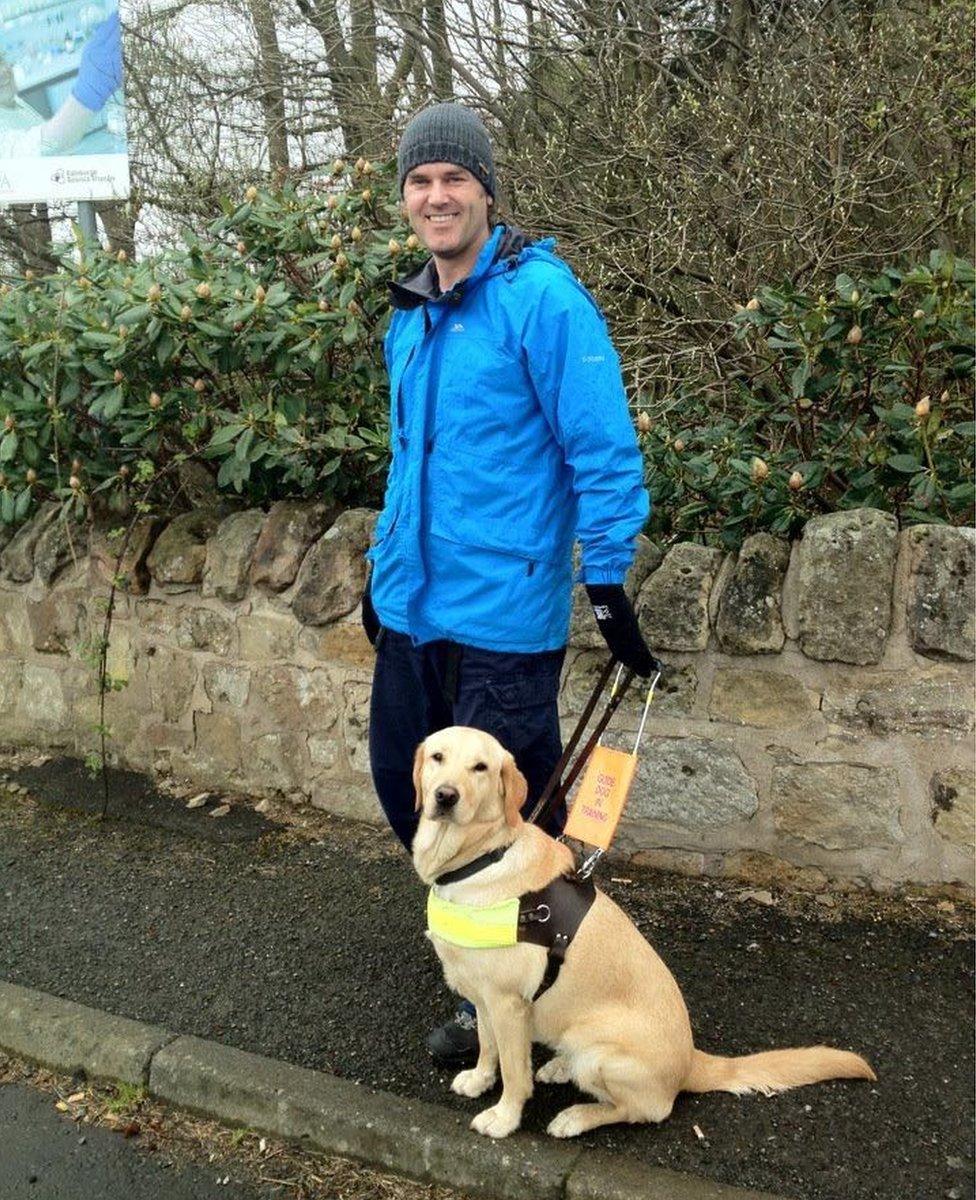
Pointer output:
x,y
76,1097
198,801
220,811
61,1106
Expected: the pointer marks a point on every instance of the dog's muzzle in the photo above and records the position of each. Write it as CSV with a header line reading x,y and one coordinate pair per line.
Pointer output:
x,y
445,799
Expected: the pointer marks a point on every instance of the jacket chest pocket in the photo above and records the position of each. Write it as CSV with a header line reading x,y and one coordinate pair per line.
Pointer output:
x,y
484,394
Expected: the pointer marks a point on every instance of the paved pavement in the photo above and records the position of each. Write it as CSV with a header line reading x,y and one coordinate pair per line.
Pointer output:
x,y
276,951
46,1156
410,1138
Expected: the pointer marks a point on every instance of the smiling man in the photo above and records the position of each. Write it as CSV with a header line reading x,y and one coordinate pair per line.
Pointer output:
x,y
511,438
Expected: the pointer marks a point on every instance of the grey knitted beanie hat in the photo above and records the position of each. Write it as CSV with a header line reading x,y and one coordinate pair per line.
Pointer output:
x,y
447,133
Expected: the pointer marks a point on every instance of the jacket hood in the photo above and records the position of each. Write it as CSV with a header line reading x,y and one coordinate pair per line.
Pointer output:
x,y
507,247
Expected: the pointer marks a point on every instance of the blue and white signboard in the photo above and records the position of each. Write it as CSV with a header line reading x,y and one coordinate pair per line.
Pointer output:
x,y
62,113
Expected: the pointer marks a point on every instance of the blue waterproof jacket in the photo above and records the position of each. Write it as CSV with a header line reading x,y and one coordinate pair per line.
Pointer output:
x,y
511,437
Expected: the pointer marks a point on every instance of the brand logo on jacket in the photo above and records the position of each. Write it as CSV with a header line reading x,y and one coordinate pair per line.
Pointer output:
x,y
457,327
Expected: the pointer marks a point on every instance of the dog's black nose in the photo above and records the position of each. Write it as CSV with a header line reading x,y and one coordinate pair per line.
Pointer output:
x,y
446,797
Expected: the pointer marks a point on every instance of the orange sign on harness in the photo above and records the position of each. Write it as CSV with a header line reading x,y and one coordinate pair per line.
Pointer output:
x,y
603,792
601,798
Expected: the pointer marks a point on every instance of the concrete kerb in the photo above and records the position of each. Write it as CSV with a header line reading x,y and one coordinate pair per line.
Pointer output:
x,y
406,1137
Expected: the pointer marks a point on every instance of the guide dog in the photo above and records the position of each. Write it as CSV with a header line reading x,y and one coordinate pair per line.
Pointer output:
x,y
614,1015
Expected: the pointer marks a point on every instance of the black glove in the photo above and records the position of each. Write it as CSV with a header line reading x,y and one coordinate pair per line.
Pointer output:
x,y
371,622
618,623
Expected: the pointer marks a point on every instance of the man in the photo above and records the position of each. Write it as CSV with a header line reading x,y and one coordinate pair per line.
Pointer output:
x,y
511,437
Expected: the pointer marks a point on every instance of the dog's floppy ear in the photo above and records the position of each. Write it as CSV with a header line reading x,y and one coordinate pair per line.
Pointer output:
x,y
418,766
514,790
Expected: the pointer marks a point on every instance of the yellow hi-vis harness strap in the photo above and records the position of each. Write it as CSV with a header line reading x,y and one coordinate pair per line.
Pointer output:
x,y
547,918
474,928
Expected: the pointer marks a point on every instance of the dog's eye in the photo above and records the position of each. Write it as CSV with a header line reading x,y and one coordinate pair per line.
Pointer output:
x,y
437,756
479,766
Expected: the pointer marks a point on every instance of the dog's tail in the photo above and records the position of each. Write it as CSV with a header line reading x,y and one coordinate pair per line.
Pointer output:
x,y
773,1070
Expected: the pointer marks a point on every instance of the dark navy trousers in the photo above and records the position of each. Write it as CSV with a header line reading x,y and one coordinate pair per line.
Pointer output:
x,y
420,689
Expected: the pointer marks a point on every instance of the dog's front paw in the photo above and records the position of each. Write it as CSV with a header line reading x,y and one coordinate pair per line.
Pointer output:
x,y
497,1122
472,1083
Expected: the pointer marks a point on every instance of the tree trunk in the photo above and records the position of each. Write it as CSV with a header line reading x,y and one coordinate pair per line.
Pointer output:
x,y
271,94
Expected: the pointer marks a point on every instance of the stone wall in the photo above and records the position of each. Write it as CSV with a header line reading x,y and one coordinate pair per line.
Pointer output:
x,y
817,720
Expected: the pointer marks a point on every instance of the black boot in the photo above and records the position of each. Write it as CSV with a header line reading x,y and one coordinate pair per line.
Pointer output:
x,y
456,1043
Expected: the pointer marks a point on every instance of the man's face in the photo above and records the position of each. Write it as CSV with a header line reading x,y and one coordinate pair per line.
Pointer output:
x,y
447,208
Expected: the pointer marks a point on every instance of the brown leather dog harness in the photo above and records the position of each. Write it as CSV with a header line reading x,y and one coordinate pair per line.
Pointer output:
x,y
549,917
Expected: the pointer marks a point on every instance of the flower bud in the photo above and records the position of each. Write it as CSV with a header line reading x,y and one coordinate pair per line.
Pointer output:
x,y
124,471
242,247
338,166
118,376
186,312
855,336
251,194
123,332
9,422
918,314
259,294
341,261
199,386
394,247
335,242
203,291
367,167
332,202
924,407
945,397
678,445
366,195
356,234
155,400
74,483
753,305
796,481
759,470
155,294
412,243
360,163
323,306
31,476
121,256
644,422
855,296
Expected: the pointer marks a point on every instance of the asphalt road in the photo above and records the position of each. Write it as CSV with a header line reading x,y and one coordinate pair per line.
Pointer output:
x,y
46,1156
312,951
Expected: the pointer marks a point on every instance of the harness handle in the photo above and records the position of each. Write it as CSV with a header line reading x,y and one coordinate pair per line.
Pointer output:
x,y
555,791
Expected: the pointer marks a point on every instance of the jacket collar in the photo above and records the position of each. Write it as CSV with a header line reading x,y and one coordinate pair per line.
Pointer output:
x,y
504,245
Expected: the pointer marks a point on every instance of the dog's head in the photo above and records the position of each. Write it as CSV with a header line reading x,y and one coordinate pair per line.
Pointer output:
x,y
465,777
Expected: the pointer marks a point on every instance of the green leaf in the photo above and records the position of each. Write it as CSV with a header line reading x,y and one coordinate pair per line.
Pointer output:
x,y
164,349
908,464
8,447
112,403
798,381
132,316
226,434
244,443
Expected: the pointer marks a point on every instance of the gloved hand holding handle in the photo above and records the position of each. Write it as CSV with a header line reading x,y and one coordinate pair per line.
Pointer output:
x,y
618,623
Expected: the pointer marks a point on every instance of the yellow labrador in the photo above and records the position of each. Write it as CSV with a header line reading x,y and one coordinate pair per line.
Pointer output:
x,y
614,1016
